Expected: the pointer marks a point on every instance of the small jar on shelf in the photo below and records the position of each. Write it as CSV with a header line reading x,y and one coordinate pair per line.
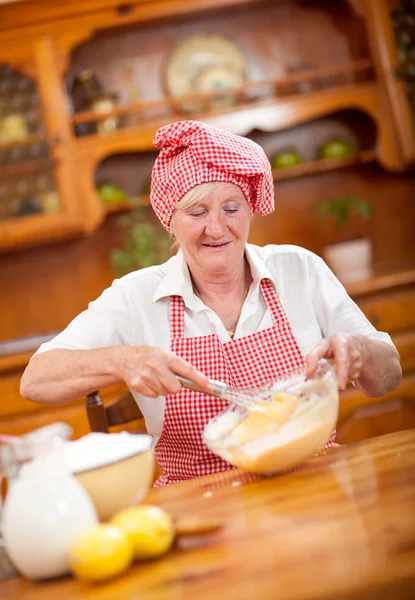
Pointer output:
x,y
13,127
105,103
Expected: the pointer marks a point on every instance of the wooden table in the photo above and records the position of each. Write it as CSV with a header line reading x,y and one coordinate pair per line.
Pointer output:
x,y
341,527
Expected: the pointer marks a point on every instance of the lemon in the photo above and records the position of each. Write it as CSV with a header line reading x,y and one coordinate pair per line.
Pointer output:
x,y
149,528
100,553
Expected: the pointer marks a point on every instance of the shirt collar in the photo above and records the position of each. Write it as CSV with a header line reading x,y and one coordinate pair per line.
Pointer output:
x,y
177,281
259,270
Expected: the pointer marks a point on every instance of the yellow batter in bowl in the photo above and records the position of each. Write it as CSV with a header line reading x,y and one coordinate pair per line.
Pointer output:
x,y
287,430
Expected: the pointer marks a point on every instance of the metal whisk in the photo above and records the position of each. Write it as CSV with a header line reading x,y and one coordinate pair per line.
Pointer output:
x,y
294,383
243,397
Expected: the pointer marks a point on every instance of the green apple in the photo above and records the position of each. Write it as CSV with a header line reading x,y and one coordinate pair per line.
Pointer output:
x,y
286,158
335,149
111,194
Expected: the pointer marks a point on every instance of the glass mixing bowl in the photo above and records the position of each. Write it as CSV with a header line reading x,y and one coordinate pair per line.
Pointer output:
x,y
299,418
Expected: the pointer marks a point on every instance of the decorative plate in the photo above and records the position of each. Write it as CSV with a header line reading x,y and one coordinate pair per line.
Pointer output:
x,y
205,63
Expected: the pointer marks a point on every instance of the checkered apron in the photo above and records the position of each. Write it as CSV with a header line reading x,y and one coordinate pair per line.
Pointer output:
x,y
250,361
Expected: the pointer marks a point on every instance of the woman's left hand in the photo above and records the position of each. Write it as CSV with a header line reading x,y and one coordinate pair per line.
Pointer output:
x,y
348,352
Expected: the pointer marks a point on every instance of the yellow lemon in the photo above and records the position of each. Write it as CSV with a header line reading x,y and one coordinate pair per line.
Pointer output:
x,y
100,553
149,528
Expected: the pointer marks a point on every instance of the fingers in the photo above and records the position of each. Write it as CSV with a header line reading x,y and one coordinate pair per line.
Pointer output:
x,y
312,358
187,370
136,383
342,361
153,386
356,365
345,349
152,372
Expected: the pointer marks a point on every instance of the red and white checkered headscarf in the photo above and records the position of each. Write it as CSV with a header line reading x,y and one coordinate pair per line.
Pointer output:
x,y
192,153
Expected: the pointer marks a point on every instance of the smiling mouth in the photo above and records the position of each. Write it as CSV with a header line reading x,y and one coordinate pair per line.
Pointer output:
x,y
216,245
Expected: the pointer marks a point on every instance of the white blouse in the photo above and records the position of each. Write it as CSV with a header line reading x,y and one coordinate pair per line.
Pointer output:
x,y
135,309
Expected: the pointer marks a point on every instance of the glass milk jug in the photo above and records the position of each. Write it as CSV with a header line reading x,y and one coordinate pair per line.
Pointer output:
x,y
45,507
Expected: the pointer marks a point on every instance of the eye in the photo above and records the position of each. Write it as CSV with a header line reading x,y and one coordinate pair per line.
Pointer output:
x,y
231,209
198,212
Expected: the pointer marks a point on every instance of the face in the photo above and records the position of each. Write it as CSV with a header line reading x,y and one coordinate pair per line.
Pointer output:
x,y
212,233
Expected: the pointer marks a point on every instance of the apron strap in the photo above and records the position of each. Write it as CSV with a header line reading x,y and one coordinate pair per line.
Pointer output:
x,y
275,307
176,317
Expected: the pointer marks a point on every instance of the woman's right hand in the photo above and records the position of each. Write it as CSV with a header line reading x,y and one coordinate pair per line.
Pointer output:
x,y
152,371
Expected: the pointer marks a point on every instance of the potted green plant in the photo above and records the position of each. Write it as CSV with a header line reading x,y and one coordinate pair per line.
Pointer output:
x,y
145,244
351,260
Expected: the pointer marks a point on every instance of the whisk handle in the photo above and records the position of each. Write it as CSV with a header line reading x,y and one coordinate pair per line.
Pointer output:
x,y
218,389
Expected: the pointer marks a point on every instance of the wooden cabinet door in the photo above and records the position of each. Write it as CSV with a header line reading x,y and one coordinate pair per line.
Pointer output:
x,y
392,312
39,200
392,62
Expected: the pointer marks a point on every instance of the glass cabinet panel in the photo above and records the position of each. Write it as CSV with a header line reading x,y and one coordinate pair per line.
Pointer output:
x,y
27,180
403,19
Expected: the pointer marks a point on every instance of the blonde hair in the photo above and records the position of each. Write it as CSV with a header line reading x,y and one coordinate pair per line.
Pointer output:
x,y
195,195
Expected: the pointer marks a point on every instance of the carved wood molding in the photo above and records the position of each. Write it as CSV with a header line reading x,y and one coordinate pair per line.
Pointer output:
x,y
67,42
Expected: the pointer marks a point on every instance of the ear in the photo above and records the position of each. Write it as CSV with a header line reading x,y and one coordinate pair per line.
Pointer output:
x,y
171,225
171,234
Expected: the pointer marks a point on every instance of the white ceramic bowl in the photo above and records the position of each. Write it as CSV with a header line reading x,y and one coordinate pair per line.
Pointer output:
x,y
116,469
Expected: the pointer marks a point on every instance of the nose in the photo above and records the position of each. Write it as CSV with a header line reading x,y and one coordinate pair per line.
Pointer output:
x,y
215,226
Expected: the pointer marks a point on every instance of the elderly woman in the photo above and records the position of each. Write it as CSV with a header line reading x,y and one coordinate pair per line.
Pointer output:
x,y
221,308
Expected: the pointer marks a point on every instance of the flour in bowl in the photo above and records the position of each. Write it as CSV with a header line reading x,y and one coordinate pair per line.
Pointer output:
x,y
99,449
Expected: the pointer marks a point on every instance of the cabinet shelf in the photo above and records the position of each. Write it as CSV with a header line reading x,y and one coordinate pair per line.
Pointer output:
x,y
128,205
27,141
267,116
321,166
30,166
18,232
252,94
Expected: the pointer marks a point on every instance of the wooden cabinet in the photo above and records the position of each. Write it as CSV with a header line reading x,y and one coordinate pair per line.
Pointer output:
x,y
389,303
303,62
399,93
39,197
